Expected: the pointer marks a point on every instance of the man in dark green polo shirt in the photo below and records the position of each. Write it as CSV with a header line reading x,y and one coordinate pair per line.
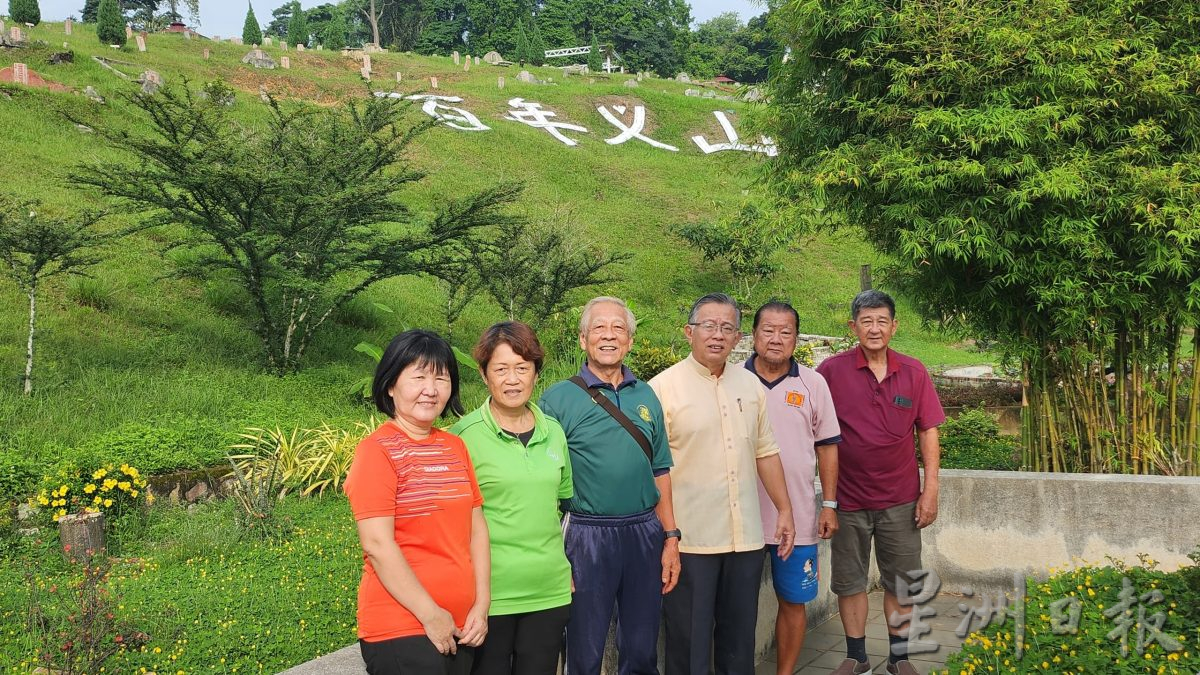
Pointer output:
x,y
619,528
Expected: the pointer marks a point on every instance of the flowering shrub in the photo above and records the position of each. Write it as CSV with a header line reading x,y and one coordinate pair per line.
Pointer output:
x,y
111,490
1112,619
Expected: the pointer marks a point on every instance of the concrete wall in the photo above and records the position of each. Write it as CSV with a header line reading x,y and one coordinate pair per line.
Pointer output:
x,y
992,524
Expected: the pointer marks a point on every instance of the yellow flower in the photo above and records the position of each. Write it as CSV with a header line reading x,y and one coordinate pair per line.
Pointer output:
x,y
109,484
89,488
107,503
133,493
63,489
43,501
150,498
100,473
97,500
124,485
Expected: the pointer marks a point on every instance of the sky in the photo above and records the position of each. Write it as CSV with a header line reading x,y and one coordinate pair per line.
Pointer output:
x,y
225,17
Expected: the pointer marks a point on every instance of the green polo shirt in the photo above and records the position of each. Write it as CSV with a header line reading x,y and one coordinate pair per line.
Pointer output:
x,y
612,475
521,487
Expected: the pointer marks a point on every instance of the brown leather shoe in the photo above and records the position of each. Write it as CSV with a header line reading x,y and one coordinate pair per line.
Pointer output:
x,y
852,667
902,667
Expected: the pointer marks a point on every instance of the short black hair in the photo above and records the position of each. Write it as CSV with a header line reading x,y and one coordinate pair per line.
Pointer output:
x,y
422,347
872,299
776,305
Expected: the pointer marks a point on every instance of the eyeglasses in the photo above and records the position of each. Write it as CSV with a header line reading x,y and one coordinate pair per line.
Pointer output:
x,y
869,324
713,326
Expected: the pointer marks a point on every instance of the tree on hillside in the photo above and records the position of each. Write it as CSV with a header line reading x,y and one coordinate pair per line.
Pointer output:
x,y
281,17
88,13
35,246
374,11
521,50
1030,168
24,11
298,26
561,23
305,210
595,61
748,244
446,23
334,34
110,24
251,31
537,46
494,25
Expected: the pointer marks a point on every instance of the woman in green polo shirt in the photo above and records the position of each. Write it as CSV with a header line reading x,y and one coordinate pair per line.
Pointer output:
x,y
523,469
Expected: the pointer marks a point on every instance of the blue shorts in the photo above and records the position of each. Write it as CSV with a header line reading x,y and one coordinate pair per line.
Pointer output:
x,y
796,578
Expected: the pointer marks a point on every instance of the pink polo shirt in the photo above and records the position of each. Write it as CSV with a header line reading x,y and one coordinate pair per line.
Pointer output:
x,y
877,460
802,417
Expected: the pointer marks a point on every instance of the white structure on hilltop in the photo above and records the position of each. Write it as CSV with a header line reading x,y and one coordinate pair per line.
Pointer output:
x,y
611,58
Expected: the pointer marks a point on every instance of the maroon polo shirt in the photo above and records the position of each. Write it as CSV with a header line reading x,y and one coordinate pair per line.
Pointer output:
x,y
877,463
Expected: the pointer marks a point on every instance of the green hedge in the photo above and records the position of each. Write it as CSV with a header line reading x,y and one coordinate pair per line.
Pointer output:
x,y
973,441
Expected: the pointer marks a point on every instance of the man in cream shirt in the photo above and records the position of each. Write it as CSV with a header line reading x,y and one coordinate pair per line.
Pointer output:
x,y
722,445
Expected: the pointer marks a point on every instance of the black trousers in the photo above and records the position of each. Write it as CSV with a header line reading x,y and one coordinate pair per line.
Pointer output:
x,y
711,615
413,655
523,644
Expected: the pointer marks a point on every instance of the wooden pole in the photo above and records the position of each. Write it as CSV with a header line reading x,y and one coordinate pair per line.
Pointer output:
x,y
864,278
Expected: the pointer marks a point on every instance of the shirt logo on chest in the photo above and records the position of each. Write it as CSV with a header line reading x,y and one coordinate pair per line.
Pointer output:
x,y
644,413
794,399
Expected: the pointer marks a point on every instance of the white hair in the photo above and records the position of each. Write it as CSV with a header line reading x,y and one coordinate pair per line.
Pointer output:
x,y
585,319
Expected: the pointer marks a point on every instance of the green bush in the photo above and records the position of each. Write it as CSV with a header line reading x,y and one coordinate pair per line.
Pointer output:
x,y
99,294
24,11
1075,622
973,441
110,25
646,361
158,449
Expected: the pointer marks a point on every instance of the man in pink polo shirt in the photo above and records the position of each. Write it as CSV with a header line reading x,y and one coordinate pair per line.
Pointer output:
x,y
882,397
806,429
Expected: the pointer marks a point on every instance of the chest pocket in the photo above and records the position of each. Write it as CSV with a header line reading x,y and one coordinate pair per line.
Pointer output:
x,y
899,419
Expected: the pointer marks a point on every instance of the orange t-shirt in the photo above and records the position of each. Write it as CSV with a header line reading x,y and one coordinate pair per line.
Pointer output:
x,y
429,487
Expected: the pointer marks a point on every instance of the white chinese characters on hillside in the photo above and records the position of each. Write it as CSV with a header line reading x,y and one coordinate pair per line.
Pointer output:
x,y
630,121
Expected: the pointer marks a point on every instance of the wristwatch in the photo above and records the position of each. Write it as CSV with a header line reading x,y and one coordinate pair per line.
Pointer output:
x,y
829,504
669,534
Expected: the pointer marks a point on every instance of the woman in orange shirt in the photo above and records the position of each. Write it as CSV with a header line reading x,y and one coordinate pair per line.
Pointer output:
x,y
424,596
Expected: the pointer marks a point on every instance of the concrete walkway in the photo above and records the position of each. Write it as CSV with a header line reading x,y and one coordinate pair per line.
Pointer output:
x,y
825,645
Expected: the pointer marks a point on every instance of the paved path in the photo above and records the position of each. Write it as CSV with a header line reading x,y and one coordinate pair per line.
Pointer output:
x,y
825,645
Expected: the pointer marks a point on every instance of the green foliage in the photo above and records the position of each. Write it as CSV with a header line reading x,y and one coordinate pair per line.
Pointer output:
x,y
1051,645
297,31
267,605
1031,168
323,184
303,460
595,62
251,31
648,360
334,34
521,46
972,440
155,448
76,627
110,23
119,492
24,11
88,13
749,244
97,293
537,46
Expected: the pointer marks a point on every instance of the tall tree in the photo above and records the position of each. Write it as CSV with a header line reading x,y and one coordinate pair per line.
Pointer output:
x,y
88,13
334,34
561,23
494,25
298,26
251,31
537,46
595,61
521,49
305,210
445,25
110,24
36,246
373,11
281,17
25,11
1030,168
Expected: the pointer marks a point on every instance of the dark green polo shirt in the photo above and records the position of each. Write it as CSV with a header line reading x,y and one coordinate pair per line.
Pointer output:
x,y
611,473
521,487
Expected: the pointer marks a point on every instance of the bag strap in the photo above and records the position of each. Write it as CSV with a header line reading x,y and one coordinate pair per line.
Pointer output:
x,y
620,417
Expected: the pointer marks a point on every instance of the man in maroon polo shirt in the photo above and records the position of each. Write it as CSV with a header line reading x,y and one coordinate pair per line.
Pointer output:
x,y
881,398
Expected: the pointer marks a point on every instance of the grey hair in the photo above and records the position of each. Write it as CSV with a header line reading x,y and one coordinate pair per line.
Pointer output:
x,y
585,318
872,299
715,298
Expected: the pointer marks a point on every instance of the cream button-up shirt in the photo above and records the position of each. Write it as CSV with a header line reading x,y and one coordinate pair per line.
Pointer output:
x,y
716,427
